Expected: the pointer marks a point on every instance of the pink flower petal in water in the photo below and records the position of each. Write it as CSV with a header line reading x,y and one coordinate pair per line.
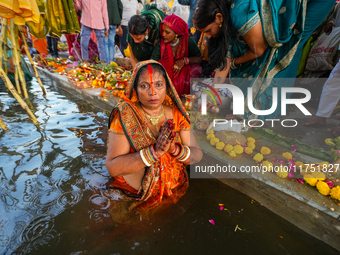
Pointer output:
x,y
330,184
282,161
245,156
221,208
301,181
212,222
293,147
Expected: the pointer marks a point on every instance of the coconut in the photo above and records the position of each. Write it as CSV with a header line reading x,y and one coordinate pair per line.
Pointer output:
x,y
231,137
202,125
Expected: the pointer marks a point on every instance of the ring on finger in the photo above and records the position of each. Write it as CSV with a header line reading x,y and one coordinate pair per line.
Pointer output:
x,y
166,136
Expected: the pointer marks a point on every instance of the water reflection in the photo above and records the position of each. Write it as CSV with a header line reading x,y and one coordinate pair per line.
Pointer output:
x,y
45,171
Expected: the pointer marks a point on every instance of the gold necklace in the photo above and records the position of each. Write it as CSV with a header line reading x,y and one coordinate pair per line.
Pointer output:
x,y
153,120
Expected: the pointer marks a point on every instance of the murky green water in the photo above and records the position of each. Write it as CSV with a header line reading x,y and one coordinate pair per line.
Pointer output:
x,y
48,204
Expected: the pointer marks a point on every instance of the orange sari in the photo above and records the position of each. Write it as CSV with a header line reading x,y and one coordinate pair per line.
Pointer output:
x,y
166,181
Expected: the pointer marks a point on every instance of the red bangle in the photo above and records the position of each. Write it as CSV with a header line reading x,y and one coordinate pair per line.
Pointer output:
x,y
177,151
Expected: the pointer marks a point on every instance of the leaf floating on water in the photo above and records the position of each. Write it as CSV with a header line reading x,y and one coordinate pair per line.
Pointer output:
x,y
212,222
252,201
281,237
221,204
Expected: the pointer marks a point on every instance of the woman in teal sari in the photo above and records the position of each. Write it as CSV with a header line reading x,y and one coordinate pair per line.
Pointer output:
x,y
259,41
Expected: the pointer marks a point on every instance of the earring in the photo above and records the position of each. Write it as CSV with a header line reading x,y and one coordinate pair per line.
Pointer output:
x,y
146,37
220,25
176,37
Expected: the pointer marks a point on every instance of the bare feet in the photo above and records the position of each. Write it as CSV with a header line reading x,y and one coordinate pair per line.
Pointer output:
x,y
335,131
316,121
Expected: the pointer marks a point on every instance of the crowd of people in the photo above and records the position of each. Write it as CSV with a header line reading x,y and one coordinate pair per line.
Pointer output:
x,y
149,132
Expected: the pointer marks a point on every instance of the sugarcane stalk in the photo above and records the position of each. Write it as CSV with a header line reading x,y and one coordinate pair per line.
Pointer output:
x,y
11,88
2,39
32,63
16,57
17,82
3,125
5,51
3,44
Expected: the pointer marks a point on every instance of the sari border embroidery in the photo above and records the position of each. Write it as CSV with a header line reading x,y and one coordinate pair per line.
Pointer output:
x,y
250,24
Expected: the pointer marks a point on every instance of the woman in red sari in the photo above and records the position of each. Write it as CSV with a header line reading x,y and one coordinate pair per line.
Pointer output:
x,y
180,54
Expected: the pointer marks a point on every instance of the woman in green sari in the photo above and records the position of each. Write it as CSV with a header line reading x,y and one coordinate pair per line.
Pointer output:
x,y
144,37
258,41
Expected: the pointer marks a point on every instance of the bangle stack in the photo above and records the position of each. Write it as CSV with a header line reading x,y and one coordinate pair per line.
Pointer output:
x,y
183,153
186,61
148,155
232,63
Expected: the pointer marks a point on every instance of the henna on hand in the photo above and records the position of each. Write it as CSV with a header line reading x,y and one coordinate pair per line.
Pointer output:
x,y
165,138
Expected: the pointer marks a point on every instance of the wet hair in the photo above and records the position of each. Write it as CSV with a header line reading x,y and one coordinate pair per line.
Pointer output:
x,y
155,68
204,15
138,24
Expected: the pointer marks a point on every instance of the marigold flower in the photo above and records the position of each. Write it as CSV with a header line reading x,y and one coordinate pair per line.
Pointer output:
x,y
210,131
232,154
335,192
248,150
258,157
310,179
324,165
210,136
299,165
251,145
228,148
213,141
250,140
238,149
287,155
282,172
323,188
265,151
220,145
267,165
320,176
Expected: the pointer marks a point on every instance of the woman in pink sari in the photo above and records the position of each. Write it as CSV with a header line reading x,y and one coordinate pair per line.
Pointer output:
x,y
180,54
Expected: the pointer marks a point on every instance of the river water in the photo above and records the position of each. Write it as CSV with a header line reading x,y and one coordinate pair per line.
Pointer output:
x,y
50,177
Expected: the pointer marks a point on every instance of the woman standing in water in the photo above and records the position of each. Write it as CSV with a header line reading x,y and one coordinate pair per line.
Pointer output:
x,y
149,144
259,39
